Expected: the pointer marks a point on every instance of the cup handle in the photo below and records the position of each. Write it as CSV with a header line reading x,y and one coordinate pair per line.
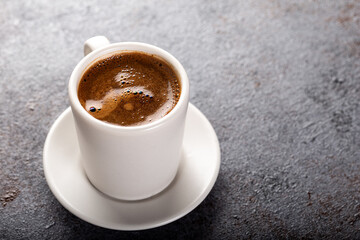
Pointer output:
x,y
93,43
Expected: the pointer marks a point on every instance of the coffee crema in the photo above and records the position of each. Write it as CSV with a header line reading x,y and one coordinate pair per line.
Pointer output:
x,y
129,88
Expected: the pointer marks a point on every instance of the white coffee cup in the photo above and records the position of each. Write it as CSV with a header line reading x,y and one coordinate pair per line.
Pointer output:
x,y
129,162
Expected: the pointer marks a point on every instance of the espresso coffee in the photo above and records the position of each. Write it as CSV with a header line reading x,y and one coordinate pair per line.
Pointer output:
x,y
129,88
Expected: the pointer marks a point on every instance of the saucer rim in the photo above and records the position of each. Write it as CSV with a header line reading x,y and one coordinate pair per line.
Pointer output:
x,y
135,227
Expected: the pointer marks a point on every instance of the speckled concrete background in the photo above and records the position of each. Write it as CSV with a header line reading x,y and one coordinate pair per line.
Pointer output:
x,y
279,80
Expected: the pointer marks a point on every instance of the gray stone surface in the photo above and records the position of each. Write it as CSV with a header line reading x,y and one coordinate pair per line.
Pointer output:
x,y
279,80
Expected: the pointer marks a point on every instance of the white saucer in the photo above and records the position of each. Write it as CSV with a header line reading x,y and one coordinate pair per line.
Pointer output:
x,y
198,171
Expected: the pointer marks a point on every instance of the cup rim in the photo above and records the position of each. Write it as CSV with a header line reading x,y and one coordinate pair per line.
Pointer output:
x,y
118,47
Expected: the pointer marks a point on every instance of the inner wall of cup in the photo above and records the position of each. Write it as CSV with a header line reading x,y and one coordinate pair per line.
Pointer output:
x,y
129,47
